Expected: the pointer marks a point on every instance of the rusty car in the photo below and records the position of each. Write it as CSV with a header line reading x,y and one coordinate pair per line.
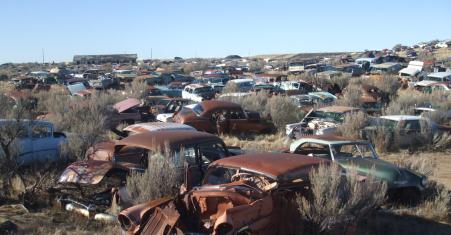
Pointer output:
x,y
216,116
239,195
90,186
132,110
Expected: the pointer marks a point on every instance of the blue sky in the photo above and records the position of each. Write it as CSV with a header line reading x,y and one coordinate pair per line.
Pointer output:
x,y
213,28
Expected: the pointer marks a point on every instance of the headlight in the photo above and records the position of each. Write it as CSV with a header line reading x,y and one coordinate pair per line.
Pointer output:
x,y
424,181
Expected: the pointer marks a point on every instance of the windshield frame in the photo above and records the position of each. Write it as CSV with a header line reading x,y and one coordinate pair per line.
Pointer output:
x,y
356,144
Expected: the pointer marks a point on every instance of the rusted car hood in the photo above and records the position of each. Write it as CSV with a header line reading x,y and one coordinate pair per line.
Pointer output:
x,y
126,104
85,172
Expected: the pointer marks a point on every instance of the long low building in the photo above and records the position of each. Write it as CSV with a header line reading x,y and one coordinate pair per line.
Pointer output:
x,y
100,59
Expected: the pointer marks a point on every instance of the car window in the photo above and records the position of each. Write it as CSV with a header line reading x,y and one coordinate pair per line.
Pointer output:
x,y
220,175
412,125
352,150
210,152
40,131
315,149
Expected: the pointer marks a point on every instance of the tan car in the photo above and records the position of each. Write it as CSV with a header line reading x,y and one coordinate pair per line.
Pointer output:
x,y
216,116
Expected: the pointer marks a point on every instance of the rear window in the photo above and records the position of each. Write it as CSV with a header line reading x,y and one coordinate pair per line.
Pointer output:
x,y
203,90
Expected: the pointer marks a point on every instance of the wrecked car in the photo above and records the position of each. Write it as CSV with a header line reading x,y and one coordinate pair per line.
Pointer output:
x,y
295,87
239,195
198,92
319,121
406,129
349,153
89,187
216,116
131,110
36,141
373,99
306,102
79,89
165,108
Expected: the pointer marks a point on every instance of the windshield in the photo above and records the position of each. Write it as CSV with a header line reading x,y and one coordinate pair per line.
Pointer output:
x,y
75,88
203,90
383,122
338,117
430,78
353,150
224,175
198,109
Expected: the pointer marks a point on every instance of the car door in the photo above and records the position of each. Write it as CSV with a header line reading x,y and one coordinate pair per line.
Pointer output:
x,y
45,147
23,145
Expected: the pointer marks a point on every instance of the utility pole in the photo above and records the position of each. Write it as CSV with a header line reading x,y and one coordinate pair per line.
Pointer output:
x,y
151,54
43,55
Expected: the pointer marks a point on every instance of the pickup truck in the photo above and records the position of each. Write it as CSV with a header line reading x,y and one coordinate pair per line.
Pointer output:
x,y
37,142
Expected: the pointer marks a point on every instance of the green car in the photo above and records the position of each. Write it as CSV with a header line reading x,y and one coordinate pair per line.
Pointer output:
x,y
361,154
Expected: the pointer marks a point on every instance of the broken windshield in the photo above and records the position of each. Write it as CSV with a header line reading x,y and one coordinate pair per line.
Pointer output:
x,y
353,150
338,117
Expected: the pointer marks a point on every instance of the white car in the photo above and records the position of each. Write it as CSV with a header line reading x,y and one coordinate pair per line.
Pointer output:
x,y
198,92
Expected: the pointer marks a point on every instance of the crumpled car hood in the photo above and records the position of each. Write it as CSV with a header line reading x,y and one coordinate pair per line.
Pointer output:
x,y
85,172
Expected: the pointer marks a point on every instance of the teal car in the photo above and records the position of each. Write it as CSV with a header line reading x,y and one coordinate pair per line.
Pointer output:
x,y
361,155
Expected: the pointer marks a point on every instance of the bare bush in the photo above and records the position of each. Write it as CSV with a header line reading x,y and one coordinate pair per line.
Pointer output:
x,y
261,143
280,109
161,178
384,139
435,205
408,99
339,201
231,87
84,120
137,89
352,96
352,125
386,83
283,111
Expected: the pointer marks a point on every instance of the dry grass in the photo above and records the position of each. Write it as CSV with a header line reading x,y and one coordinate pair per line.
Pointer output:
x,y
231,87
338,201
161,178
435,205
417,162
261,143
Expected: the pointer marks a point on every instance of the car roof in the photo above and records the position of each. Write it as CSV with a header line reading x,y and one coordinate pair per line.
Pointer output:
x,y
324,139
337,109
174,139
240,80
126,104
278,166
401,117
158,126
384,65
211,105
197,85
439,74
